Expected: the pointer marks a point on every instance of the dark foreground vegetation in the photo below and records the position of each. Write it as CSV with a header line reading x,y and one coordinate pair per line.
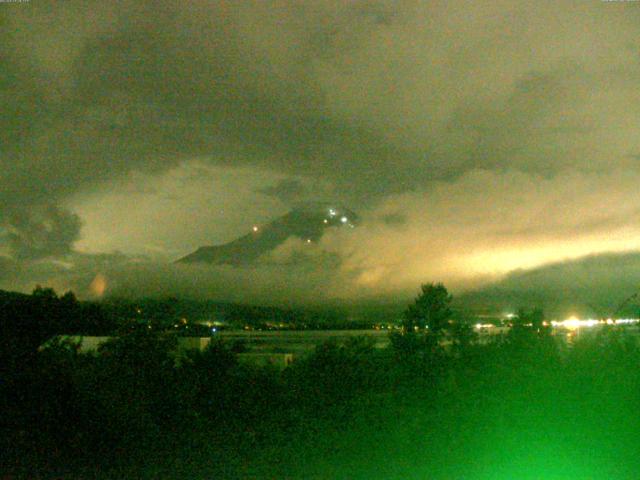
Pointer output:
x,y
525,406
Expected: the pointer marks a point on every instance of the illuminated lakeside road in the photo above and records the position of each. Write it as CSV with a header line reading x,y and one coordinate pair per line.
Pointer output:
x,y
300,342
304,341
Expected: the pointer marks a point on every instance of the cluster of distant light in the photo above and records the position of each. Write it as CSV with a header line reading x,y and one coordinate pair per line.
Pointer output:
x,y
333,213
574,323
481,326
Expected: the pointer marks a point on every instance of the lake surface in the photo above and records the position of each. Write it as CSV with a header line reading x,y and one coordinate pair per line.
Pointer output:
x,y
298,341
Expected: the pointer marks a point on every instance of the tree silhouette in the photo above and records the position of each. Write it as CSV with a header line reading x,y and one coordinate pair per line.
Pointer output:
x,y
429,310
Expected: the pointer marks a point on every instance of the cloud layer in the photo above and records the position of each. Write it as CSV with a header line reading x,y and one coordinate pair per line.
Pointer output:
x,y
473,138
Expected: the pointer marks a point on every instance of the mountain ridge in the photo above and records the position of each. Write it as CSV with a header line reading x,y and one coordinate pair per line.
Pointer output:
x,y
307,222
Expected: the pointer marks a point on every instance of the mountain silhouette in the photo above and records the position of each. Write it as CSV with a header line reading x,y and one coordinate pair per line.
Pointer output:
x,y
307,222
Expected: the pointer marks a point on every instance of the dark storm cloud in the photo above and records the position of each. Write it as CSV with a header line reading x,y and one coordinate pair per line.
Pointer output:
x,y
93,91
163,83
46,231
141,87
288,191
468,120
293,191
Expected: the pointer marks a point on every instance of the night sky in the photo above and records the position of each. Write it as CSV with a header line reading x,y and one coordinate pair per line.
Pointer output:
x,y
474,140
